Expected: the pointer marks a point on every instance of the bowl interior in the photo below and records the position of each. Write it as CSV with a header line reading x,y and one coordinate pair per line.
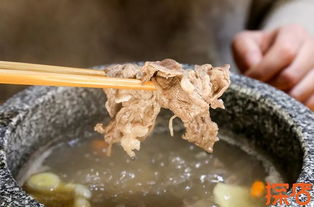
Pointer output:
x,y
66,113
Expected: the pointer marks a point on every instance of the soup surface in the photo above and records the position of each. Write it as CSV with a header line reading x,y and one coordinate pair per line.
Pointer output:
x,y
166,171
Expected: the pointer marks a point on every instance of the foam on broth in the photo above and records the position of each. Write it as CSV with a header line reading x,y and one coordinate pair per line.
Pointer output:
x,y
166,171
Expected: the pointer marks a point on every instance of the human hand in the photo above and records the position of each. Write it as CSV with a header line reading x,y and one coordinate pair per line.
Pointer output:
x,y
283,57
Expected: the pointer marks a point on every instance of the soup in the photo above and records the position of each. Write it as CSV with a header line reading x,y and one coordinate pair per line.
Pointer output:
x,y
166,171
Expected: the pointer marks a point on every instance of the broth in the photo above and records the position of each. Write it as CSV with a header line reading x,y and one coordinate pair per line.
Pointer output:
x,y
166,171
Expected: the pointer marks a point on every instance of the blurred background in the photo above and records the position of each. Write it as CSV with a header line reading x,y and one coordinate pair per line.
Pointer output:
x,y
86,33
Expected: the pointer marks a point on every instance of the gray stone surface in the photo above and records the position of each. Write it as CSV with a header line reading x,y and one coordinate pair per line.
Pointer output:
x,y
269,120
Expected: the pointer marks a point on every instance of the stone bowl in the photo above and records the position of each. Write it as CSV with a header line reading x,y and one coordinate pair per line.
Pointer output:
x,y
258,115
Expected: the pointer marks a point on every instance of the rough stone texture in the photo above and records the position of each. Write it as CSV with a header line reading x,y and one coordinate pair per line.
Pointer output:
x,y
258,115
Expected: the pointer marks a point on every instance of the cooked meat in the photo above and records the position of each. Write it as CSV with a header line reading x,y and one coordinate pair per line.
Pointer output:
x,y
187,93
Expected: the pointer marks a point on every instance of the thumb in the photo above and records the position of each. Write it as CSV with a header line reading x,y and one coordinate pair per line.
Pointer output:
x,y
247,49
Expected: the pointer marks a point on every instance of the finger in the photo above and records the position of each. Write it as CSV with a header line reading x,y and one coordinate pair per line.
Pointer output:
x,y
300,66
267,40
310,103
246,49
305,88
279,56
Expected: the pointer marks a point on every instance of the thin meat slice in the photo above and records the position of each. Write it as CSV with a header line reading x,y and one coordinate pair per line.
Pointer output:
x,y
188,93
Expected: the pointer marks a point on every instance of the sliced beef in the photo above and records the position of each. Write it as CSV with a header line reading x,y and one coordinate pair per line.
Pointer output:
x,y
188,93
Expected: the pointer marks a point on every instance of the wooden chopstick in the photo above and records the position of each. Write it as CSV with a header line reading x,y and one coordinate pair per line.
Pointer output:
x,y
33,74
49,68
20,77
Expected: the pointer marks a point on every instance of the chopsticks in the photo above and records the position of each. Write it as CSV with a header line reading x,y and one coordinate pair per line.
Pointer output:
x,y
48,75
